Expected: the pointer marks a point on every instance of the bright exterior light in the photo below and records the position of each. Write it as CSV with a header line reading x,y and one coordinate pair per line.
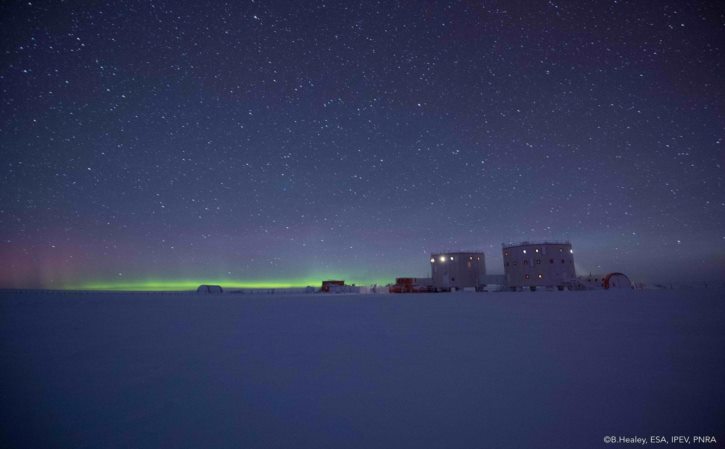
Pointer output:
x,y
571,251
443,258
541,276
524,251
537,250
432,260
451,257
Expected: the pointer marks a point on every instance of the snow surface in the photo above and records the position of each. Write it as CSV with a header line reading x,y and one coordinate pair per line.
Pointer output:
x,y
460,370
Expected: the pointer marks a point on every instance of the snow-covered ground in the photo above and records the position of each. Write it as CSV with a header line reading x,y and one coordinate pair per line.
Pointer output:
x,y
460,370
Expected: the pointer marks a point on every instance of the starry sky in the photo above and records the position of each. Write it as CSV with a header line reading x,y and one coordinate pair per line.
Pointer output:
x,y
284,142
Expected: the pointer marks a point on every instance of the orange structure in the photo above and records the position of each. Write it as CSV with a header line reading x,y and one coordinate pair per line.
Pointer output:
x,y
411,285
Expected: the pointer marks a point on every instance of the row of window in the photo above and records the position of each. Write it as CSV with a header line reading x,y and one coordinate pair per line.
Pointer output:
x,y
538,276
538,262
443,258
561,250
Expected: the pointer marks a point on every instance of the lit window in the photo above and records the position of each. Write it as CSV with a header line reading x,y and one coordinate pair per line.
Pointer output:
x,y
541,276
571,251
524,251
537,250
506,253
432,260
526,276
451,257
443,259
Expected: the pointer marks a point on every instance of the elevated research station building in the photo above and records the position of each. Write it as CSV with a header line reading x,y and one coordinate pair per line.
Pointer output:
x,y
457,270
544,264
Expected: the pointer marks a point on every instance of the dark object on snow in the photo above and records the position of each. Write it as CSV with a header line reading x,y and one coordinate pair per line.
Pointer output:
x,y
331,286
210,289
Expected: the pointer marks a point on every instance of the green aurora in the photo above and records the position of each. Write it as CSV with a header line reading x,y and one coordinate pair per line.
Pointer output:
x,y
192,284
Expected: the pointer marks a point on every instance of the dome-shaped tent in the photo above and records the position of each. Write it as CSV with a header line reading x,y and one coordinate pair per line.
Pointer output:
x,y
616,280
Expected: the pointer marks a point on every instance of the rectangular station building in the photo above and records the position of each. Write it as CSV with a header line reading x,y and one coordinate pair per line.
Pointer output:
x,y
457,270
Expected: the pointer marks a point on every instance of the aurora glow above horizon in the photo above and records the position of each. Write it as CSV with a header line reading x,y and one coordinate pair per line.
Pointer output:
x,y
271,143
192,284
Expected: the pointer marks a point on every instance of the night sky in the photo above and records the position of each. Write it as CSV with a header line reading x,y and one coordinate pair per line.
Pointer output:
x,y
163,144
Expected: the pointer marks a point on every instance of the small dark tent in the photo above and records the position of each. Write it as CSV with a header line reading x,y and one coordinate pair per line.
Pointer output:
x,y
210,289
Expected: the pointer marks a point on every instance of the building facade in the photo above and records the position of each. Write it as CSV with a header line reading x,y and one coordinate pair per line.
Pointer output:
x,y
544,264
457,270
